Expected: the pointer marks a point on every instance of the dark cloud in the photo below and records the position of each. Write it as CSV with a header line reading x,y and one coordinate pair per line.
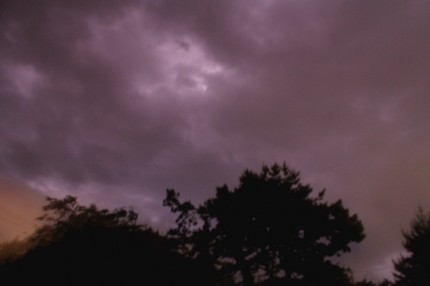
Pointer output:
x,y
117,101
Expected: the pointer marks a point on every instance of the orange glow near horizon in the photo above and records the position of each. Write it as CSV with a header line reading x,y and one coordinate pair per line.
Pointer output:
x,y
19,208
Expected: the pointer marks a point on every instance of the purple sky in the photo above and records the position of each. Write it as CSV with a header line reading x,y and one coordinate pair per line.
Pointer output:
x,y
115,101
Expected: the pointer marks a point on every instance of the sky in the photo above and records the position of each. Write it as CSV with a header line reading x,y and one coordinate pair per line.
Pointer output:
x,y
19,206
116,101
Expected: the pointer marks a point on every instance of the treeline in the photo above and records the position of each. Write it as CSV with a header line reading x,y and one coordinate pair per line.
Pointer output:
x,y
269,230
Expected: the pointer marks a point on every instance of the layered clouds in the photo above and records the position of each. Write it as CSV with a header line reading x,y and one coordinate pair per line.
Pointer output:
x,y
115,101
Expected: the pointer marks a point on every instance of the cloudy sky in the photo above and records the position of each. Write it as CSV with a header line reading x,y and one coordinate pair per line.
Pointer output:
x,y
115,101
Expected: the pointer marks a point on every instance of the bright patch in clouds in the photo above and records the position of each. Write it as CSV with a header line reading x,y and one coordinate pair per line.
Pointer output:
x,y
25,79
186,67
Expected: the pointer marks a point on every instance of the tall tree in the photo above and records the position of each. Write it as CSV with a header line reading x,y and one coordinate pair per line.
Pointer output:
x,y
414,268
270,228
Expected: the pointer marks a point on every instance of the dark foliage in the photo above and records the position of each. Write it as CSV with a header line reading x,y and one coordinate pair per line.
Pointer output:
x,y
270,228
365,283
414,268
80,245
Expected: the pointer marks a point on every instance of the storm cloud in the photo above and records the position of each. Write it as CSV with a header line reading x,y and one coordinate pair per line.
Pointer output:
x,y
115,101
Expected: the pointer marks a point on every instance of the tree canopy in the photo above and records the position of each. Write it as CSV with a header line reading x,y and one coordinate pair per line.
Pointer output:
x,y
414,267
270,229
77,244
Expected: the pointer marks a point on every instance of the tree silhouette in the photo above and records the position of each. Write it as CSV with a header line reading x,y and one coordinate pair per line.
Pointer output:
x,y
83,245
13,250
414,268
270,228
366,283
